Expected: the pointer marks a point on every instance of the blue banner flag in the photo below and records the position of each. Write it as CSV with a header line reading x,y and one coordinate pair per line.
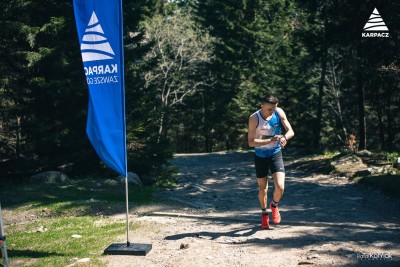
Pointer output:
x,y
99,24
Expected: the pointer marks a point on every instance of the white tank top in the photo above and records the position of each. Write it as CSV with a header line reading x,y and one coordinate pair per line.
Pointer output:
x,y
267,129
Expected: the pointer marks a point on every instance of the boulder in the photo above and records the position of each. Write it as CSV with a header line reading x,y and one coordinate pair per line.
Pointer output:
x,y
133,178
349,165
364,153
66,167
376,170
52,177
347,160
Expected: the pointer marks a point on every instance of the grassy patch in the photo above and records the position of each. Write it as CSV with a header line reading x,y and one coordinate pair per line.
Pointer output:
x,y
54,245
43,217
387,183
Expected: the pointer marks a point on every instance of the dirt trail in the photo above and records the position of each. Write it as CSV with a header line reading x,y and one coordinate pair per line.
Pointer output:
x,y
214,217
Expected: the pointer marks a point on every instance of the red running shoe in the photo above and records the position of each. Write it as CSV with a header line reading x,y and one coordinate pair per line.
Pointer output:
x,y
265,221
276,217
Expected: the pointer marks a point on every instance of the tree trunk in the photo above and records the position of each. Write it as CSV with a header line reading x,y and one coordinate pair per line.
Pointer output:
x,y
381,128
336,91
206,124
390,118
161,126
380,111
362,130
342,122
18,143
317,133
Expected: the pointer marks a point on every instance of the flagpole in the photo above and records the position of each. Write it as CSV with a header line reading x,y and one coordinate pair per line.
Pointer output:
x,y
3,246
124,121
95,132
128,244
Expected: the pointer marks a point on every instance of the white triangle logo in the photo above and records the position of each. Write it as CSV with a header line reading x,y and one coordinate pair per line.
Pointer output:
x,y
375,22
94,45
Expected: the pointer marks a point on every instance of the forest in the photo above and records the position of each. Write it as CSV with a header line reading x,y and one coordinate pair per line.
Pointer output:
x,y
194,73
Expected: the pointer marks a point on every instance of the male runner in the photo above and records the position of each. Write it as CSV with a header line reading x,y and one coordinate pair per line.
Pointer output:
x,y
265,135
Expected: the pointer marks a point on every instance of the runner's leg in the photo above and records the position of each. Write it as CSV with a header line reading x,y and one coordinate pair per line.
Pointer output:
x,y
262,191
278,174
261,173
262,197
279,185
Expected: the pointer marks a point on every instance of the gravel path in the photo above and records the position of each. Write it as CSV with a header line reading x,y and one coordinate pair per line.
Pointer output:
x,y
214,218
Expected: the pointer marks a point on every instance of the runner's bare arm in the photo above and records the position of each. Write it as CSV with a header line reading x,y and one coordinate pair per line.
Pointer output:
x,y
251,134
286,124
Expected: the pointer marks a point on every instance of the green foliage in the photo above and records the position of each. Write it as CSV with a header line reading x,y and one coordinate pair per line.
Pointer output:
x,y
166,178
390,157
44,93
330,81
331,33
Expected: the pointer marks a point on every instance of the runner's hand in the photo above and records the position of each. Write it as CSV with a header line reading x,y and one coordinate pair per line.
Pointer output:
x,y
276,138
283,141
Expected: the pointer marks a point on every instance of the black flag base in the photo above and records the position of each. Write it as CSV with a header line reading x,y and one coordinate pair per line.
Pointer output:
x,y
128,249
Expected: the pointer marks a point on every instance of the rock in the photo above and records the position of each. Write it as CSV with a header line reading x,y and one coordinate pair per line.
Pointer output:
x,y
78,261
313,256
133,178
66,167
364,153
41,229
76,236
111,182
84,260
365,172
52,177
188,186
184,246
200,188
344,248
396,163
375,170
